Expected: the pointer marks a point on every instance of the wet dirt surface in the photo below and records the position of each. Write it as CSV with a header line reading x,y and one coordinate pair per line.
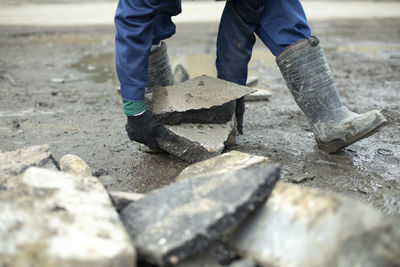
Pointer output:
x,y
58,86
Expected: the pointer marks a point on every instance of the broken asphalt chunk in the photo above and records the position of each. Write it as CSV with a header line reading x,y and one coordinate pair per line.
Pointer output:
x,y
197,142
176,221
50,218
17,161
230,161
300,226
203,99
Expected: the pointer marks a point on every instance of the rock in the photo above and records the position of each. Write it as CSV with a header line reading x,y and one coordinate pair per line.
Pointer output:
x,y
50,218
251,81
180,74
123,199
197,142
243,263
202,259
178,220
203,99
75,165
15,162
233,160
300,226
259,95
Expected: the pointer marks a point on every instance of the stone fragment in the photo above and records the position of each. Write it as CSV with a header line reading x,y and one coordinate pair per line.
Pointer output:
x,y
259,95
203,99
180,219
123,199
50,218
252,81
301,226
230,161
180,74
75,165
243,263
197,142
15,162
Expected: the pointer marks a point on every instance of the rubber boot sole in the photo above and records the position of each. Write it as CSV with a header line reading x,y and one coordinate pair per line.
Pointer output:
x,y
335,145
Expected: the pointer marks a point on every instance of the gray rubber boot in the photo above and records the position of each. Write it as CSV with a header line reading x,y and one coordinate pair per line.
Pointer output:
x,y
159,71
306,72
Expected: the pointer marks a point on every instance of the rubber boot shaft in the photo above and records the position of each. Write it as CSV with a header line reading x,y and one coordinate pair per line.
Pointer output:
x,y
159,69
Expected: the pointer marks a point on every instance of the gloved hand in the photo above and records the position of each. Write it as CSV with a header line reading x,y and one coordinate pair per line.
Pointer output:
x,y
239,114
145,129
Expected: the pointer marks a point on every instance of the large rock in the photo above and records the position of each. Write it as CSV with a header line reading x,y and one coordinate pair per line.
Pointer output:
x,y
301,226
176,221
203,99
49,218
233,160
15,162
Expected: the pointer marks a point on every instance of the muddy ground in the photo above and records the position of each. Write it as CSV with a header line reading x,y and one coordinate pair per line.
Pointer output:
x,y
58,86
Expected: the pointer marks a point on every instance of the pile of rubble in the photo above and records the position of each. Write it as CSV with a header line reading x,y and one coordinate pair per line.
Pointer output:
x,y
200,113
230,209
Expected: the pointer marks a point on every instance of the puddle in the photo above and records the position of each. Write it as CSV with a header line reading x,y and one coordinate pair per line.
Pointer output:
x,y
101,67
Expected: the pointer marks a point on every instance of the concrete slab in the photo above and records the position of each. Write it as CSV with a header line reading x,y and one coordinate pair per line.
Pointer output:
x,y
178,220
300,226
233,160
204,99
51,218
15,162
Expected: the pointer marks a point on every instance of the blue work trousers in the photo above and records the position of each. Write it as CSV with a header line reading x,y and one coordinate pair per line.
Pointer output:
x,y
141,23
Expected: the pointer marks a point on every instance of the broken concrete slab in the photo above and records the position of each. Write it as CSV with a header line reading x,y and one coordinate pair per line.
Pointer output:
x,y
301,226
215,255
252,81
180,219
230,161
74,165
15,162
123,199
50,218
203,99
197,142
259,95
180,74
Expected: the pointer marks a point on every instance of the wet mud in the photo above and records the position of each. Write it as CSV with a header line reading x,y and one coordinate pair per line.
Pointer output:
x,y
58,86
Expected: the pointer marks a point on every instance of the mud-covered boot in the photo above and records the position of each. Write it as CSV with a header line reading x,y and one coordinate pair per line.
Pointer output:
x,y
306,72
159,71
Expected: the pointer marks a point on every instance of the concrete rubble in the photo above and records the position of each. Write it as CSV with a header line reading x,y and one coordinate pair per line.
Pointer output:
x,y
178,220
300,226
197,142
180,74
259,95
16,162
230,161
53,218
203,99
123,199
199,113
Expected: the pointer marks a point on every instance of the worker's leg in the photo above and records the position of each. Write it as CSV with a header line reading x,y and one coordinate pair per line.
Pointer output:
x,y
135,33
159,69
282,24
236,38
304,67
